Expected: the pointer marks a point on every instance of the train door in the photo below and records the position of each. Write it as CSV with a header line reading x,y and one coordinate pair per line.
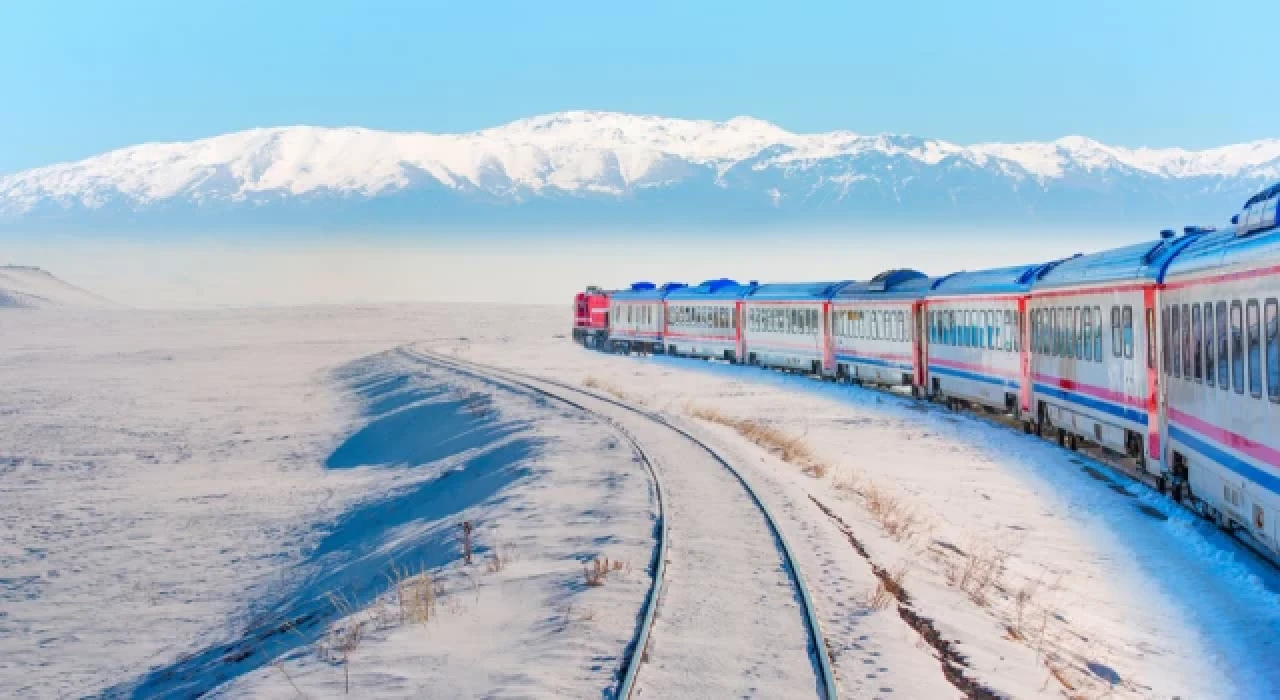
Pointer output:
x,y
919,345
1155,399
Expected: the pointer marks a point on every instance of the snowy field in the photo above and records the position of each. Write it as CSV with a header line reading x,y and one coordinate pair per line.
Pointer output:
x,y
246,502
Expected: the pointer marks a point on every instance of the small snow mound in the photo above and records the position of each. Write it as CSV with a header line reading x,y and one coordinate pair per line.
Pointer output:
x,y
23,287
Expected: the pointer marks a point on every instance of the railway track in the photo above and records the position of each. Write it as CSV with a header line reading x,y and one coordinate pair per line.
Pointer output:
x,y
716,537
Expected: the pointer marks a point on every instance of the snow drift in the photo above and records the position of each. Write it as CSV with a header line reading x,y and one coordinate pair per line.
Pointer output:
x,y
34,288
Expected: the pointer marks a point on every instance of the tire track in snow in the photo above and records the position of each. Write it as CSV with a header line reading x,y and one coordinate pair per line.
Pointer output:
x,y
721,630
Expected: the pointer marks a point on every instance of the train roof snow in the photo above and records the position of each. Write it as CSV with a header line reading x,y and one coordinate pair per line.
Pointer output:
x,y
809,291
722,288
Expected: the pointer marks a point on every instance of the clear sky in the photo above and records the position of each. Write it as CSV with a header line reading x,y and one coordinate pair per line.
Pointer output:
x,y
81,77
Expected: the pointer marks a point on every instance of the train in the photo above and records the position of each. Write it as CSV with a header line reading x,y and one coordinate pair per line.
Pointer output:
x,y
1165,353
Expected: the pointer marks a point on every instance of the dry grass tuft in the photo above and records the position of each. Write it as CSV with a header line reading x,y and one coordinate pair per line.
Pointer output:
x,y
596,574
790,449
978,571
899,520
888,588
499,557
611,389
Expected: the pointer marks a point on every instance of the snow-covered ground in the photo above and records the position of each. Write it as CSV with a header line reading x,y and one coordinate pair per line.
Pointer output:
x,y
216,500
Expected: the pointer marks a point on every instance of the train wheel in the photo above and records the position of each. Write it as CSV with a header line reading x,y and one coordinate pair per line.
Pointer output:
x,y
1062,438
1026,427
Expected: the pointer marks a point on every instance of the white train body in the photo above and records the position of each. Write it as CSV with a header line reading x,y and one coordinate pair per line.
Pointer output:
x,y
1167,351
1222,374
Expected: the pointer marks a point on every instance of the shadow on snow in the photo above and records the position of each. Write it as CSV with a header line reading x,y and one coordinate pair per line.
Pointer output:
x,y
410,427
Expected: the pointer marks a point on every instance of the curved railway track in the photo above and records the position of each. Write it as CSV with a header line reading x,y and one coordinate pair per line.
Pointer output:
x,y
691,540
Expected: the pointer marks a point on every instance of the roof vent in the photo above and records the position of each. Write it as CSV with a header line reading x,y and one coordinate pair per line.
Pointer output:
x,y
642,286
1168,233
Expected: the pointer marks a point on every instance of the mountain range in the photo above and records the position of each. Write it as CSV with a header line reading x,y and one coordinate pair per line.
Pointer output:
x,y
575,169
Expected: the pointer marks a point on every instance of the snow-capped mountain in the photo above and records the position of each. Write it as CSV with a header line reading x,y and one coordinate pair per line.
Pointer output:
x,y
600,166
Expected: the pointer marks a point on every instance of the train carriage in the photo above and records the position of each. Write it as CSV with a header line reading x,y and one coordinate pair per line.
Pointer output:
x,y
875,329
707,320
786,326
1093,350
636,317
1221,360
976,351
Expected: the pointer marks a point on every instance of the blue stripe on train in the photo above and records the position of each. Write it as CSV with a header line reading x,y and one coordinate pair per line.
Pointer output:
x,y
1264,479
1122,412
872,361
974,376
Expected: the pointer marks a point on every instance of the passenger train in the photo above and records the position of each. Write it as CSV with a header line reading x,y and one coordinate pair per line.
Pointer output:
x,y
1167,351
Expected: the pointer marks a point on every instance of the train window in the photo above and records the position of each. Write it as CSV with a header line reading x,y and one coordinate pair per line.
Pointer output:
x,y
1237,346
993,328
1035,332
1088,334
1055,334
1186,342
1097,334
1008,331
1209,363
1116,342
1224,344
1081,338
813,321
1271,327
1252,320
1197,341
1176,328
1068,334
875,325
1164,339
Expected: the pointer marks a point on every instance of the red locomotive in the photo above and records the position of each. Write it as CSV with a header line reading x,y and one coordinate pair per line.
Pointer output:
x,y
591,317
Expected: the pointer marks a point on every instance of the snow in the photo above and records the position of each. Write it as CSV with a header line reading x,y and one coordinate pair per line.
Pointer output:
x,y
602,152
33,288
176,486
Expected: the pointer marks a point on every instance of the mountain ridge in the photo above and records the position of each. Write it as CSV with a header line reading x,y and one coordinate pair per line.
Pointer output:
x,y
627,167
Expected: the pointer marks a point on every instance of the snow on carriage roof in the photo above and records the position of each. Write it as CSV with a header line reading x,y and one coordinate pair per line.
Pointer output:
x,y
722,288
799,291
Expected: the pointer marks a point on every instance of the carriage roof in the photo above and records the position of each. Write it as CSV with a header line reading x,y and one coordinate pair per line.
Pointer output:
x,y
890,284
646,291
722,289
809,291
1001,280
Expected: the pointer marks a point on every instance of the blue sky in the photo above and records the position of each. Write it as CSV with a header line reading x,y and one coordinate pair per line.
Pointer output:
x,y
78,78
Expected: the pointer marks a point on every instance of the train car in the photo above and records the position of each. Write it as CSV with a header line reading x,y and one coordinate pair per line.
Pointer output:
x,y
706,320
786,326
975,352
591,317
636,317
1092,324
876,331
1221,359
